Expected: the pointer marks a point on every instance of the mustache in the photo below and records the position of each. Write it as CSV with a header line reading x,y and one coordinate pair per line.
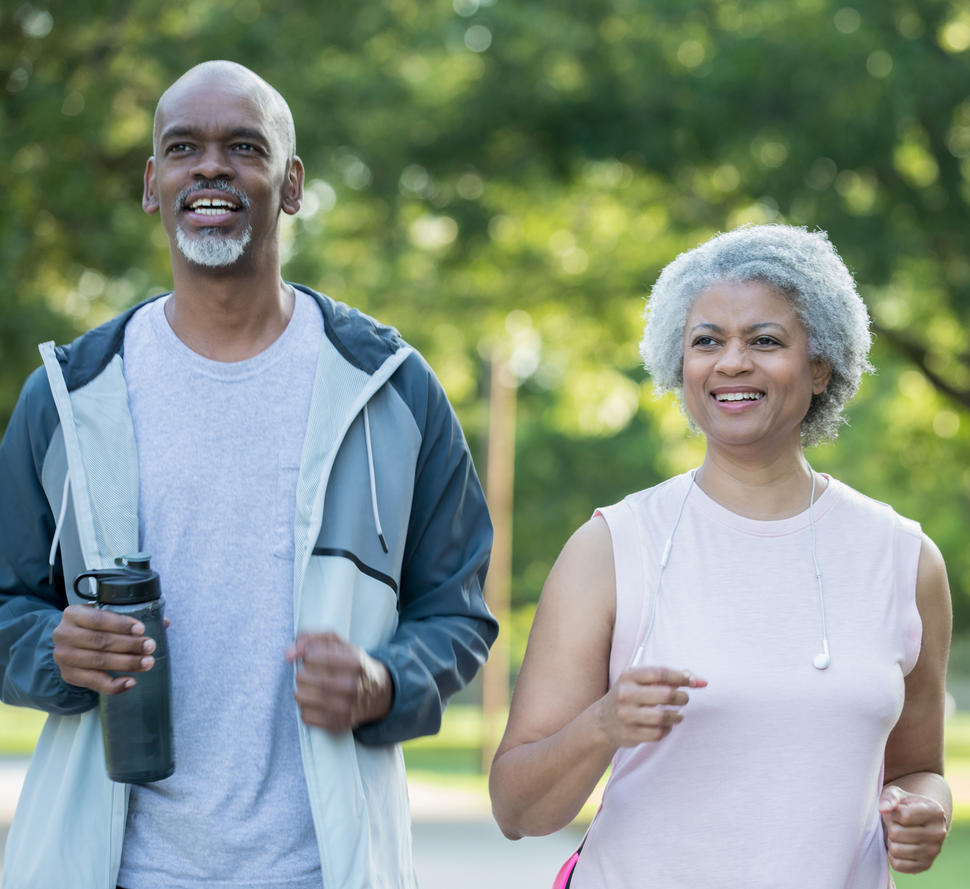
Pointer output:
x,y
222,185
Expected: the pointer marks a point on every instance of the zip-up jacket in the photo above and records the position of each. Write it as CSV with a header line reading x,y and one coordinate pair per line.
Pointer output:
x,y
391,537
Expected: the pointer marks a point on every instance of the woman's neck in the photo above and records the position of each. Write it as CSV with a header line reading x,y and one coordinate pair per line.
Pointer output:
x,y
765,491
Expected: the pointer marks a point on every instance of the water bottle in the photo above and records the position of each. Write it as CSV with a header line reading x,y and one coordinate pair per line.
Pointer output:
x,y
137,723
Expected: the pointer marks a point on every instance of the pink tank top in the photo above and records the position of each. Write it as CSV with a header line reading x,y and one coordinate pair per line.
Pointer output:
x,y
772,780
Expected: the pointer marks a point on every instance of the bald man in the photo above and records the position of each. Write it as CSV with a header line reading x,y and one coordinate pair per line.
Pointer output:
x,y
305,492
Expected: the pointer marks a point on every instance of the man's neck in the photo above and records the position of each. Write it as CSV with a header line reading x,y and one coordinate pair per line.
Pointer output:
x,y
229,316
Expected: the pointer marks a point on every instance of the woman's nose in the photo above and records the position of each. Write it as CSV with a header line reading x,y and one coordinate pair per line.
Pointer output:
x,y
734,357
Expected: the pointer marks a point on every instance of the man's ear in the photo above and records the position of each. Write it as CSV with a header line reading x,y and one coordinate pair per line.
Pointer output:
x,y
292,198
821,374
149,197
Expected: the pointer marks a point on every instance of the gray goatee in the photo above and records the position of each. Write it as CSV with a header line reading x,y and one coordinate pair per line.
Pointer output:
x,y
210,248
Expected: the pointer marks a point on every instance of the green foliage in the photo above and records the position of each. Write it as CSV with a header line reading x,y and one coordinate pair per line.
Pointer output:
x,y
488,173
19,729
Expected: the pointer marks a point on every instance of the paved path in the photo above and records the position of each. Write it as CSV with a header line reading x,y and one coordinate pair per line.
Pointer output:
x,y
456,843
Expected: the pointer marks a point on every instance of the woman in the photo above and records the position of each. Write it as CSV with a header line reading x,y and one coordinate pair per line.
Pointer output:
x,y
759,650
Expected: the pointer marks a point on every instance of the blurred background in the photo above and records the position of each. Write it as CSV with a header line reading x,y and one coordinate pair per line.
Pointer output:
x,y
502,181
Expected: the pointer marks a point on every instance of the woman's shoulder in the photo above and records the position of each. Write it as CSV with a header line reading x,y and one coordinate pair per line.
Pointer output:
x,y
657,497
865,508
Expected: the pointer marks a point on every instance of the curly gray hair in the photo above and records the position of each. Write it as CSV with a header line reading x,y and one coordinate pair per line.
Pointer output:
x,y
802,265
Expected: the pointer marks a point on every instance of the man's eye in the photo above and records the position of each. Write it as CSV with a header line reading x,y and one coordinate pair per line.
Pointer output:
x,y
178,147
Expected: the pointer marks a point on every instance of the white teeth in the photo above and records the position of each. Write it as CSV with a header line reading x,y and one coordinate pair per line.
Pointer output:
x,y
211,206
739,396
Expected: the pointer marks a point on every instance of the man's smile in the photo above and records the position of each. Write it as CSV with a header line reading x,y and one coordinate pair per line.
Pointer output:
x,y
211,206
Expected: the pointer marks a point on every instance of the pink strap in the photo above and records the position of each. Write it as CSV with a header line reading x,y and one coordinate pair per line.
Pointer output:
x,y
565,872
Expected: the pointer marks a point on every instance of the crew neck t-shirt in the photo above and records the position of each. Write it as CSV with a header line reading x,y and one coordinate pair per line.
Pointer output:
x,y
219,449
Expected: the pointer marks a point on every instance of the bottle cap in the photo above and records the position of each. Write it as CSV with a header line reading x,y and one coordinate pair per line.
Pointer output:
x,y
130,584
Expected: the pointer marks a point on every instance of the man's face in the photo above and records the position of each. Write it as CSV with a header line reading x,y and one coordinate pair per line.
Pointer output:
x,y
220,175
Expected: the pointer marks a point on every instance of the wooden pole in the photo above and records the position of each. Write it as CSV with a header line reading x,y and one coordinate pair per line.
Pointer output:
x,y
499,484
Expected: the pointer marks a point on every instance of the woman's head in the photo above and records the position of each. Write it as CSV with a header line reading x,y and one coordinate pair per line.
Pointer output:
x,y
801,265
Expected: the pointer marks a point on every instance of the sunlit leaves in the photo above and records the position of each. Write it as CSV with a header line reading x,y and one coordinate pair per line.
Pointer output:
x,y
484,173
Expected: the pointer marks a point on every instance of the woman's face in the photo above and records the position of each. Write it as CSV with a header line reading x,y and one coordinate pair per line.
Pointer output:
x,y
748,377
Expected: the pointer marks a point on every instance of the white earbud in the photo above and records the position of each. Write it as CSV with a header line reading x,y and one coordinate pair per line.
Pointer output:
x,y
822,659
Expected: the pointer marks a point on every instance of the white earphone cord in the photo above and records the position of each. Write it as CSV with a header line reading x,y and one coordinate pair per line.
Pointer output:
x,y
823,659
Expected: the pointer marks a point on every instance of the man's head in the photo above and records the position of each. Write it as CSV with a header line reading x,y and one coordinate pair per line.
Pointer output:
x,y
224,166
274,105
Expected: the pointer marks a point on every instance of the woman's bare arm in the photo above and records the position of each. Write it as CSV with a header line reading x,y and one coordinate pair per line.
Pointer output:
x,y
565,722
916,804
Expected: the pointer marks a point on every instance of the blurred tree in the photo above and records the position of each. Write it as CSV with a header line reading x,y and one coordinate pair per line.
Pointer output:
x,y
484,170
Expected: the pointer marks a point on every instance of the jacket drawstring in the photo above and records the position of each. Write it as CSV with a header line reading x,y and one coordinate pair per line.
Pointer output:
x,y
57,530
373,482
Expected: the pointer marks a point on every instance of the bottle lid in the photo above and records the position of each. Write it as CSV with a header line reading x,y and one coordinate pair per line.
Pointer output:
x,y
129,584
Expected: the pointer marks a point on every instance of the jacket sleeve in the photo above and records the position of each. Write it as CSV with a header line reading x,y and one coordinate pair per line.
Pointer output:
x,y
444,629
30,604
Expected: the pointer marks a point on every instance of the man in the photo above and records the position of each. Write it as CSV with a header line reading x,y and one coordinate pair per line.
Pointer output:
x,y
307,497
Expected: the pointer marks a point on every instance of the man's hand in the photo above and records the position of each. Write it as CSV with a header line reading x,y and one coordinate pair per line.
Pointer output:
x,y
89,642
338,686
915,828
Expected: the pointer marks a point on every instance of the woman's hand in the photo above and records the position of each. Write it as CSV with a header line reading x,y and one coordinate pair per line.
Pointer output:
x,y
645,704
915,827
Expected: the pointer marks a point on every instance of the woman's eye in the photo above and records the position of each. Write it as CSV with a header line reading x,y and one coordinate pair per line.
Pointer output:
x,y
704,341
766,341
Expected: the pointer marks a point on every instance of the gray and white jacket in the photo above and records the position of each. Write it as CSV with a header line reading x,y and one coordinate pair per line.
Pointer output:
x,y
391,536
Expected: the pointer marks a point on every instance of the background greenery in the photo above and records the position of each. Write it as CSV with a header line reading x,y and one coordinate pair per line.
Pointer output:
x,y
494,173
498,174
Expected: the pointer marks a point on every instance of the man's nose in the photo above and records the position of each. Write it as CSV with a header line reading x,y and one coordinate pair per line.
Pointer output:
x,y
213,163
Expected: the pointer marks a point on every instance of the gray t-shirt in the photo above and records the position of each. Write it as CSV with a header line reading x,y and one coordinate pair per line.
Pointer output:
x,y
218,455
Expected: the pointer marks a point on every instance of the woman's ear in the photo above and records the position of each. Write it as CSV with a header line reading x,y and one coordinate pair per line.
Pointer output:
x,y
821,374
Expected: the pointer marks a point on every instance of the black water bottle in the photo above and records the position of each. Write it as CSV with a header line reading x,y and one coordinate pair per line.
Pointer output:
x,y
137,723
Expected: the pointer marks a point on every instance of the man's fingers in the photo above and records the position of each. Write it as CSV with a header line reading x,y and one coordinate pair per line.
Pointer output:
x,y
319,647
102,620
326,719
320,686
98,642
91,644
103,683
105,662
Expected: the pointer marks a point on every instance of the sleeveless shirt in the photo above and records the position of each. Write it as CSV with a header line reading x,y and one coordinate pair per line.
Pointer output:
x,y
773,778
